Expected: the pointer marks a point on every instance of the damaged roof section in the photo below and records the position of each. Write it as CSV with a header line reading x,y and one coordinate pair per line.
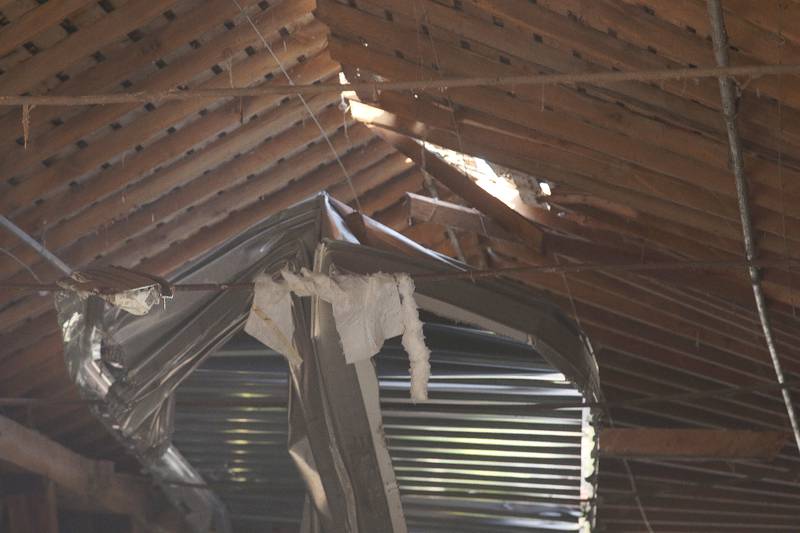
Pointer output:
x,y
131,365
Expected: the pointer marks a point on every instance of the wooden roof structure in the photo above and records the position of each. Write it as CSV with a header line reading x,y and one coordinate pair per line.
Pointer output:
x,y
638,172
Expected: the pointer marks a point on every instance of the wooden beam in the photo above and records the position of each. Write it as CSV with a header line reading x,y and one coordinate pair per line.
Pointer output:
x,y
424,209
463,186
93,481
691,443
393,165
390,192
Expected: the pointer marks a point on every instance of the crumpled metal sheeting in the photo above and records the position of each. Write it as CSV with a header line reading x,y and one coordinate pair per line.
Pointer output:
x,y
86,343
142,359
134,363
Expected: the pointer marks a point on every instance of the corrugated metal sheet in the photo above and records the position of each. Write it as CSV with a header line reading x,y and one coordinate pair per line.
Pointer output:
x,y
479,456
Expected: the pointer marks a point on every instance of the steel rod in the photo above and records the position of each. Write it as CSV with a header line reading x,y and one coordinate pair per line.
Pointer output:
x,y
33,243
475,275
405,85
681,397
728,95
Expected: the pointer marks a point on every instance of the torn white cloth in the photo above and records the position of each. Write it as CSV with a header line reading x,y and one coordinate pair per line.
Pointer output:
x,y
414,340
271,320
367,310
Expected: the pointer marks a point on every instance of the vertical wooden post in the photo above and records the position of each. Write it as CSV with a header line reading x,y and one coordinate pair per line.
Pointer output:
x,y
34,509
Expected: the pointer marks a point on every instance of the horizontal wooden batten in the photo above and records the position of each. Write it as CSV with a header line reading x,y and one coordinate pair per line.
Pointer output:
x,y
690,443
87,480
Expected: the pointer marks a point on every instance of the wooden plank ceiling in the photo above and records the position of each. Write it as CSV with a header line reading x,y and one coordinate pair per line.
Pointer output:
x,y
638,172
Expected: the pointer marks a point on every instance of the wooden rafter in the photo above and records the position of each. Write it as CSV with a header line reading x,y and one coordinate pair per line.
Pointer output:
x,y
461,185
89,480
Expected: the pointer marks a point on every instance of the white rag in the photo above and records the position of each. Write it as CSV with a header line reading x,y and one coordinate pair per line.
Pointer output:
x,y
367,310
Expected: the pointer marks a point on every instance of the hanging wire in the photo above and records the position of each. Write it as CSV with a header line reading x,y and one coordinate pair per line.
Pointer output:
x,y
779,141
26,124
22,264
435,277
313,116
636,497
607,414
